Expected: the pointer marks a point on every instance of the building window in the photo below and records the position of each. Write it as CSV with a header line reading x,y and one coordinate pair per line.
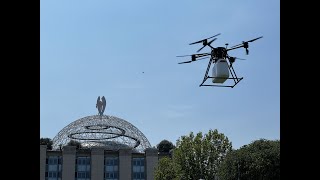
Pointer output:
x,y
138,169
82,168
53,168
111,168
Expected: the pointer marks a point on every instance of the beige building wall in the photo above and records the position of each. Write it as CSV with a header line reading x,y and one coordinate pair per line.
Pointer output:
x,y
97,163
68,162
125,165
151,162
43,156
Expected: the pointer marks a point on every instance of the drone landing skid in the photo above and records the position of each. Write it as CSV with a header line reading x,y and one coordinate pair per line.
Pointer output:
x,y
234,77
236,81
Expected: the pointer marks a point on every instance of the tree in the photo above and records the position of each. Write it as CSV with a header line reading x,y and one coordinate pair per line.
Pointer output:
x,y
46,141
165,170
75,143
198,157
165,146
259,160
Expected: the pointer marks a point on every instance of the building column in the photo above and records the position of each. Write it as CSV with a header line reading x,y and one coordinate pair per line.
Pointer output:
x,y
43,157
151,162
97,163
68,162
125,168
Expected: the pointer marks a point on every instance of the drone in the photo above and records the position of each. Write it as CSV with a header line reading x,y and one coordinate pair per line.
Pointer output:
x,y
222,62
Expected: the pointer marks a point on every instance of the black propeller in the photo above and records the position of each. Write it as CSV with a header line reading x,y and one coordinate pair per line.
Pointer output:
x,y
205,42
244,44
204,39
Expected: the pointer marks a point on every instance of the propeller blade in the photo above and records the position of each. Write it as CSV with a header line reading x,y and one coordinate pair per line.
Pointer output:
x,y
185,62
246,41
201,48
214,35
240,58
197,42
204,39
209,43
254,39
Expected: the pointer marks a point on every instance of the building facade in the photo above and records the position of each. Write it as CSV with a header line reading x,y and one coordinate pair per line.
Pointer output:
x,y
97,163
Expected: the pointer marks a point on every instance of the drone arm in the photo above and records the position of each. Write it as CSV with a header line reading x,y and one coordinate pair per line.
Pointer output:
x,y
235,47
198,55
201,55
195,58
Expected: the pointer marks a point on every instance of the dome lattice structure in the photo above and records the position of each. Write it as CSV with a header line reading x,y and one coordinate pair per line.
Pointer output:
x,y
110,132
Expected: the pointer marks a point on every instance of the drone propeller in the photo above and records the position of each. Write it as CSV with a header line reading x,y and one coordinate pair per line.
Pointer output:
x,y
184,62
244,44
207,44
193,57
204,40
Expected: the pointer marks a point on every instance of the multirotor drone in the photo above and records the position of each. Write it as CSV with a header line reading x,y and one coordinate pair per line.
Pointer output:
x,y
221,60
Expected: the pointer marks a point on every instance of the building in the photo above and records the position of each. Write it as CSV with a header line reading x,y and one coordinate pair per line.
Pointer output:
x,y
97,163
112,149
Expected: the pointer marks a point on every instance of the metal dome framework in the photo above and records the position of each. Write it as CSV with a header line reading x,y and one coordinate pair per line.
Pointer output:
x,y
102,130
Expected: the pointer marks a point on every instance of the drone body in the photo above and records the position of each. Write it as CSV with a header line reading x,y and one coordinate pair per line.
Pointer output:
x,y
222,68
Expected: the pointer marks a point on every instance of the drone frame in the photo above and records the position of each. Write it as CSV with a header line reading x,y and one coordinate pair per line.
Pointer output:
x,y
231,70
222,55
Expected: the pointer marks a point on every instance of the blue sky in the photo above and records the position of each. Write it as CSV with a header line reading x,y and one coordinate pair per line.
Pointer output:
x,y
126,51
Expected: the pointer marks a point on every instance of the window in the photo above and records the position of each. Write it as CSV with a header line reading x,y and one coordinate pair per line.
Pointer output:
x,y
111,166
138,168
53,168
83,166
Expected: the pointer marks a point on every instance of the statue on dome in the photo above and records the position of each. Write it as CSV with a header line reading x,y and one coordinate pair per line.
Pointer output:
x,y
101,105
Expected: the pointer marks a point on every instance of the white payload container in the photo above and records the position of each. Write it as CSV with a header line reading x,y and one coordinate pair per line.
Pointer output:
x,y
220,71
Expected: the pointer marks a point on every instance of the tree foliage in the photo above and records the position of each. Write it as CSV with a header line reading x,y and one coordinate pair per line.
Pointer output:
x,y
75,143
165,170
165,146
259,160
46,141
198,157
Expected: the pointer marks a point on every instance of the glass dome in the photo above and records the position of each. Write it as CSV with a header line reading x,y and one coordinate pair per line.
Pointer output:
x,y
110,132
